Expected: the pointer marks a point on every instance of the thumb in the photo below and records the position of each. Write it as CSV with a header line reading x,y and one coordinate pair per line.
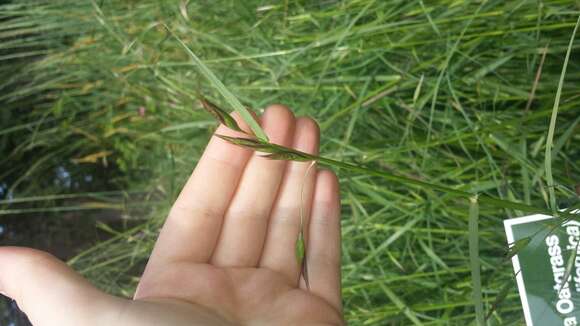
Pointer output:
x,y
49,292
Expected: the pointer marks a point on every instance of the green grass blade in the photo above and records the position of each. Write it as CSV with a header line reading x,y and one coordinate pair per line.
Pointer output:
x,y
230,98
281,152
401,305
474,259
552,128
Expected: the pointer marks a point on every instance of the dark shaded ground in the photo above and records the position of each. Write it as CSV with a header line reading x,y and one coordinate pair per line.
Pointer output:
x,y
63,236
11,316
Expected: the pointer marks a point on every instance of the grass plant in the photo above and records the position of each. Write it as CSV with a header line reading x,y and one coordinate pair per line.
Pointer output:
x,y
423,105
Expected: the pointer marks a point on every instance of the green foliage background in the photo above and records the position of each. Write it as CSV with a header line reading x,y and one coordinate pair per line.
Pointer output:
x,y
439,91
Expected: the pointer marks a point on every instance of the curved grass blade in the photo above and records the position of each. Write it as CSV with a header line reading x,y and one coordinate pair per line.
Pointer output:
x,y
301,245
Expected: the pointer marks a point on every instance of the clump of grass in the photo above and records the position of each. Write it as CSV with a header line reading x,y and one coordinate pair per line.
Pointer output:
x,y
421,106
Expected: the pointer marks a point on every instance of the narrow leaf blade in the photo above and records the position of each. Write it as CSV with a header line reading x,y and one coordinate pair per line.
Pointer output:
x,y
474,259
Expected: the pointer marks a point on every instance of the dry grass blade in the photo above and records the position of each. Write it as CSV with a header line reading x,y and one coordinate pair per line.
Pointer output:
x,y
474,259
221,115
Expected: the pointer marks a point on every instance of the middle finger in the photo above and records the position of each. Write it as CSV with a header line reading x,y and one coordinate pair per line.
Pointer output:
x,y
246,220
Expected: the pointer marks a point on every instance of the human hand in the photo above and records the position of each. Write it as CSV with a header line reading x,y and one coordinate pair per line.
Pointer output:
x,y
226,254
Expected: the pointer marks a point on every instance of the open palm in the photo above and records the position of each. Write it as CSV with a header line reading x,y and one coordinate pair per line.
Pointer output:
x,y
226,254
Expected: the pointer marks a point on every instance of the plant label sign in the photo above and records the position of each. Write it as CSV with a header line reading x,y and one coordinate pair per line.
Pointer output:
x,y
547,268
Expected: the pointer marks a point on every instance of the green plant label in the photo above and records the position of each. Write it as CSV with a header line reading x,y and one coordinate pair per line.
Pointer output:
x,y
547,268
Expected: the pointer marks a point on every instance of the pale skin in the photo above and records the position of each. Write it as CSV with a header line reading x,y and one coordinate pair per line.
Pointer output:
x,y
226,253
